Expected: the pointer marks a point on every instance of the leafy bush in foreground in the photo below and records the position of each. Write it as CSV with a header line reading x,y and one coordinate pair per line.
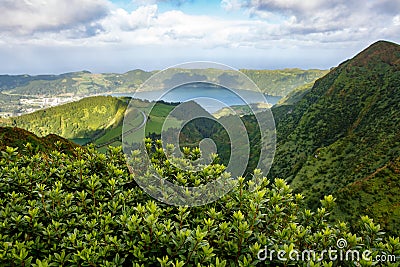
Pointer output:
x,y
61,210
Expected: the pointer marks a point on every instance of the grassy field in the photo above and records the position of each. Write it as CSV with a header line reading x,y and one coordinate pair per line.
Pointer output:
x,y
157,117
154,123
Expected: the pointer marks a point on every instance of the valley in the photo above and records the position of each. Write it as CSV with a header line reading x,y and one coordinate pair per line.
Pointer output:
x,y
21,94
337,154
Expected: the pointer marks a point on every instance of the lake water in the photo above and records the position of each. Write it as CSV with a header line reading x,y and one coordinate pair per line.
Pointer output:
x,y
210,97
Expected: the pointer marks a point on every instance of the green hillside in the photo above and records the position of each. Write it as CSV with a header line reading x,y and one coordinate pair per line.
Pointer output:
x,y
84,119
19,138
296,95
98,120
282,82
78,83
272,82
341,136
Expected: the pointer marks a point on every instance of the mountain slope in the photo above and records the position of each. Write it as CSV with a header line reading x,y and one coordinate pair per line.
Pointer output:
x,y
18,138
99,119
282,82
78,83
343,130
86,118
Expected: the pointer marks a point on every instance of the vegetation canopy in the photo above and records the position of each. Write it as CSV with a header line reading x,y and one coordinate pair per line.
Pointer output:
x,y
58,209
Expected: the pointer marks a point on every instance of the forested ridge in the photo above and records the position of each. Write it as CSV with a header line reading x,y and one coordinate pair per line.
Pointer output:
x,y
342,137
84,83
88,118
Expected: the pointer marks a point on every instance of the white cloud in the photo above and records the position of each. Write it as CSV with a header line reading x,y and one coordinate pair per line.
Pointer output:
x,y
140,18
147,26
296,22
230,5
265,25
307,18
396,20
29,16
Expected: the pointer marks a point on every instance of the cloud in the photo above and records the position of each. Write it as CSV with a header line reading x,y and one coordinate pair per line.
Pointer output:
x,y
297,8
270,22
147,26
230,5
120,19
29,16
396,20
101,31
388,7
320,16
151,2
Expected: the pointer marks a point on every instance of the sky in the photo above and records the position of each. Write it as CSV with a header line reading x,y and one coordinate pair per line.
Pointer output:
x,y
57,36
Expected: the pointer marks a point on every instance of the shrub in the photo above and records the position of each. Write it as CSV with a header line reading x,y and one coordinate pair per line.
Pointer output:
x,y
86,210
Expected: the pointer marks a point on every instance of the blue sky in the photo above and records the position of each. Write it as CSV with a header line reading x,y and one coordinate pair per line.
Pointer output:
x,y
56,36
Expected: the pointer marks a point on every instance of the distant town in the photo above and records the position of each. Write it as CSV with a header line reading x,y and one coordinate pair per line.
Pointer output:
x,y
32,104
